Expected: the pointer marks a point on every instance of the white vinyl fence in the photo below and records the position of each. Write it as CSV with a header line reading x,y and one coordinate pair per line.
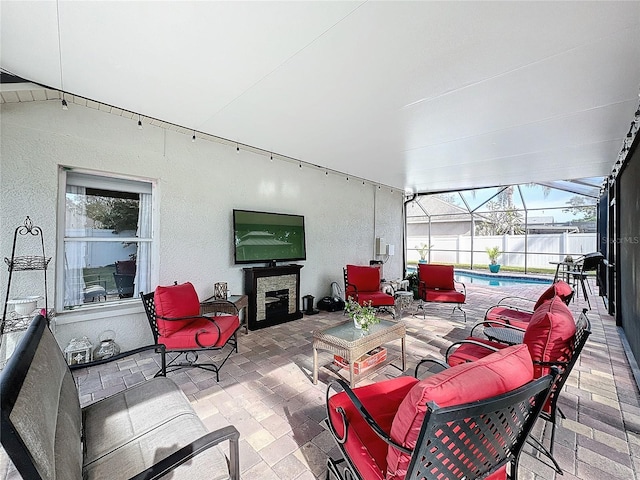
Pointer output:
x,y
539,249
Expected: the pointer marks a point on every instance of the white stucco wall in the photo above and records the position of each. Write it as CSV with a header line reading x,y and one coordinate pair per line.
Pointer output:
x,y
198,186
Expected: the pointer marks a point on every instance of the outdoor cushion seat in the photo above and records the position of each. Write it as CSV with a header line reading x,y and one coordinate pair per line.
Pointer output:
x,y
520,316
553,338
362,284
549,337
174,316
149,430
436,283
405,445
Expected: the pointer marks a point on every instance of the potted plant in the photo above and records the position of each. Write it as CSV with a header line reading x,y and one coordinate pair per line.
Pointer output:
x,y
423,251
363,316
413,283
494,253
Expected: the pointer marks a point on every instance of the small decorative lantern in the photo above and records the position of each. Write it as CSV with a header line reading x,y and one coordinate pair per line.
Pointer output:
x,y
108,346
79,351
220,290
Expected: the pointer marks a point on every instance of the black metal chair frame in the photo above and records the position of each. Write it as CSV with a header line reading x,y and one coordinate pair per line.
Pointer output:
x,y
190,354
498,427
586,263
379,308
583,330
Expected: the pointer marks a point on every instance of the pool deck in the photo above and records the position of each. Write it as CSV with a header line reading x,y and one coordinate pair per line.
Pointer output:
x,y
265,390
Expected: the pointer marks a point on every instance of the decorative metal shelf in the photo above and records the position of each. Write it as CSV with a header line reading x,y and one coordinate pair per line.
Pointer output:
x,y
29,262
17,320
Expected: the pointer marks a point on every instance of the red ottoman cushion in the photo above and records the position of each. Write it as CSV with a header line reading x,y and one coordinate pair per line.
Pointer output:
x,y
492,375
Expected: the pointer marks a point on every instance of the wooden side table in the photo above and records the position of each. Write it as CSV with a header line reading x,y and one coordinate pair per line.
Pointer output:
x,y
240,301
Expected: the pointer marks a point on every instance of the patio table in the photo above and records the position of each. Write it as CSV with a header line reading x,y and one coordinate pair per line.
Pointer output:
x,y
351,343
504,335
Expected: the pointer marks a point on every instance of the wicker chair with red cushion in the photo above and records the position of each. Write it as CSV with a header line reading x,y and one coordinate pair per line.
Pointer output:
x,y
436,283
469,421
517,311
174,316
362,284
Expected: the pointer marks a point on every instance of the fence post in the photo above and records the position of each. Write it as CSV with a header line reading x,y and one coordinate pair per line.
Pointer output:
x,y
565,245
505,248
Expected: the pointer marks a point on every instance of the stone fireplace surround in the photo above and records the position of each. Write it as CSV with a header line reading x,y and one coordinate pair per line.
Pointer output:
x,y
261,283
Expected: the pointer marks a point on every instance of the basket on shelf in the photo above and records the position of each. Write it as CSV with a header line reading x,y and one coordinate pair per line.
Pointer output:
x,y
29,262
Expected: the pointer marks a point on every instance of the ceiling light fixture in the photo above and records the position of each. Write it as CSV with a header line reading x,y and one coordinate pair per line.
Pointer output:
x,y
271,158
64,103
139,122
237,148
193,139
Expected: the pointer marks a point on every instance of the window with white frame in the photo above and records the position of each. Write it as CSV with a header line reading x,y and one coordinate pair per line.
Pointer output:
x,y
106,240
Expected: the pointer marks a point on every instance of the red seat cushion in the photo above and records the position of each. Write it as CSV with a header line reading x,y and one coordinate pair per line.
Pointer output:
x,y
444,296
208,335
436,276
470,352
500,372
364,447
550,334
377,299
366,279
509,315
521,319
175,301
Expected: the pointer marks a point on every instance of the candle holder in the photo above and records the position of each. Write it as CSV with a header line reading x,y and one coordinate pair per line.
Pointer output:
x,y
79,351
220,290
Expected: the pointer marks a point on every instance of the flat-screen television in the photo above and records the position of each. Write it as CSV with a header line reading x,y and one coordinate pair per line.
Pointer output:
x,y
267,237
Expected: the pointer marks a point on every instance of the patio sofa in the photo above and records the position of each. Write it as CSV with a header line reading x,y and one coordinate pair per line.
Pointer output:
x,y
147,431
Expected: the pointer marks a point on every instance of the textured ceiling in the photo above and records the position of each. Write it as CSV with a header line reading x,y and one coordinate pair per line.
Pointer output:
x,y
422,96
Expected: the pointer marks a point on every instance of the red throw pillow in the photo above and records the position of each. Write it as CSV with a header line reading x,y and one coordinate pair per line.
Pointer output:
x,y
366,279
560,288
487,377
436,276
550,334
175,301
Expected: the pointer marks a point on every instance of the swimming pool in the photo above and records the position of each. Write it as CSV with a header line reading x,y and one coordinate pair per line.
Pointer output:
x,y
494,279
498,280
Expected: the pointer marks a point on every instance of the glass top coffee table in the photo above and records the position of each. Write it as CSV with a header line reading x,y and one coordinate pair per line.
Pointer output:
x,y
350,343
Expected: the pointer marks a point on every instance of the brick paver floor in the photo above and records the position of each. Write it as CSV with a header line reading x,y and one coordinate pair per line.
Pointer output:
x,y
265,390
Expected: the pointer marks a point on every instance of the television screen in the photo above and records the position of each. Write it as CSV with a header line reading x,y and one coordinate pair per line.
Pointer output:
x,y
263,237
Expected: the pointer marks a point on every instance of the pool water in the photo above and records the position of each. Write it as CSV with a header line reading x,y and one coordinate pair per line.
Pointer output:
x,y
497,280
